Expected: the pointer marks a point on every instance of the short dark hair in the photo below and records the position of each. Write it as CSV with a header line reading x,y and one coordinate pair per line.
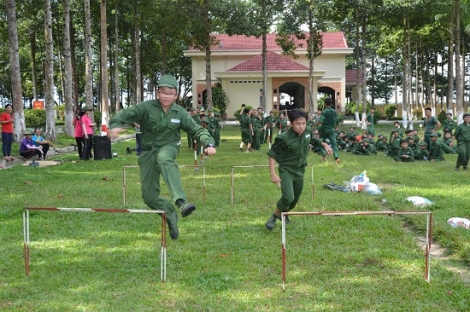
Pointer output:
x,y
328,102
427,109
246,110
296,114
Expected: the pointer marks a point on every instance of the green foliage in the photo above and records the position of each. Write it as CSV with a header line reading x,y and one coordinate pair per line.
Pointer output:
x,y
35,118
238,112
97,118
390,111
442,116
220,99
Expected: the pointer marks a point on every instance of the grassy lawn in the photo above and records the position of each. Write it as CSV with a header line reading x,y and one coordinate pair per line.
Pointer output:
x,y
225,258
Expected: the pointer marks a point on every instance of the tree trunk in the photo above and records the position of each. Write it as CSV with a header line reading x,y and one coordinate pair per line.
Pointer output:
x,y
68,82
104,66
311,65
458,67
49,73
450,63
116,59
138,75
208,55
364,69
74,66
88,74
32,41
406,68
15,74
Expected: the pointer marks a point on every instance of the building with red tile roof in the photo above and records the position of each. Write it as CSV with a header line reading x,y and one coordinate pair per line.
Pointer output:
x,y
236,63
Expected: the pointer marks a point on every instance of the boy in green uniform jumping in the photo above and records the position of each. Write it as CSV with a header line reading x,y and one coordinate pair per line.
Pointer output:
x,y
160,123
290,151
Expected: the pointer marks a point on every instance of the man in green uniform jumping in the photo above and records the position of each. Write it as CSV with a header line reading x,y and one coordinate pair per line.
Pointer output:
x,y
328,122
160,123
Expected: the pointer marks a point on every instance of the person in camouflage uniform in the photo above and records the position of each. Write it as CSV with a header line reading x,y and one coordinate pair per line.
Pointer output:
x,y
362,148
394,144
256,122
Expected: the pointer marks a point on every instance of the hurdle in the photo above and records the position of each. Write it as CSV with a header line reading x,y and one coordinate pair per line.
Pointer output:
x,y
427,265
232,178
124,180
26,246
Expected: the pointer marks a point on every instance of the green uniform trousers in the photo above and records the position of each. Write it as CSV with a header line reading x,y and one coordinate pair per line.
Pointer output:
x,y
161,161
463,149
331,136
256,139
292,183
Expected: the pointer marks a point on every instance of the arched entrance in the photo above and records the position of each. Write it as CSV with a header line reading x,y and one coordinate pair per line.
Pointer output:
x,y
292,95
329,92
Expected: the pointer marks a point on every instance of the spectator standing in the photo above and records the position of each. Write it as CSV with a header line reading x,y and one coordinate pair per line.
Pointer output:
x,y
462,135
6,120
87,126
78,133
431,125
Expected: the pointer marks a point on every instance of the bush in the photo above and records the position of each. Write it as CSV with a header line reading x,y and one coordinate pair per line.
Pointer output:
x,y
35,118
442,116
237,113
390,111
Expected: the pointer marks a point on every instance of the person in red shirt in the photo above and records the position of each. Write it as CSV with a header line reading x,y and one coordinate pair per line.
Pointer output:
x,y
6,120
87,126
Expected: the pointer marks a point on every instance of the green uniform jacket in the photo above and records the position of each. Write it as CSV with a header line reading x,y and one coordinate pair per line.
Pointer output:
x,y
408,151
245,121
160,128
462,133
430,124
290,150
435,151
361,149
448,125
329,118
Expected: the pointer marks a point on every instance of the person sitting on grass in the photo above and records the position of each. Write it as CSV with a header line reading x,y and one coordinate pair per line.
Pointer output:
x,y
28,149
405,153
362,148
396,127
422,152
435,150
382,143
446,144
290,151
394,144
40,141
412,144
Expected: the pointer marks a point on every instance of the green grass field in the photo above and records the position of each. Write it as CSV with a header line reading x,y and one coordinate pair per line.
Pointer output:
x,y
225,258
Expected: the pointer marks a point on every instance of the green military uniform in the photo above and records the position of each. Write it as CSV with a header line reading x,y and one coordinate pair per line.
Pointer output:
x,y
362,148
370,121
445,146
448,125
462,135
161,141
256,122
400,134
372,147
215,128
245,123
281,124
429,127
270,122
435,150
402,152
382,145
262,131
422,152
329,121
290,150
197,120
393,146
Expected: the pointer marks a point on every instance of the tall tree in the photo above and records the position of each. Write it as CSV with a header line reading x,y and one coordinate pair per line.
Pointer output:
x,y
17,93
104,65
68,81
49,72
88,59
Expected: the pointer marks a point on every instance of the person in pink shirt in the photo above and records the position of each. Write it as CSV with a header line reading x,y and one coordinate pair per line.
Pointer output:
x,y
87,126
78,133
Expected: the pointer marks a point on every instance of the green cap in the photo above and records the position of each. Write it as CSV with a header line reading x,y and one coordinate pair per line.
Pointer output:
x,y
86,108
202,110
167,81
433,135
423,144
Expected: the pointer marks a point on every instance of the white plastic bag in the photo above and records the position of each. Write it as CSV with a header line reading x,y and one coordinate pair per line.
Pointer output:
x,y
419,201
358,182
459,222
372,189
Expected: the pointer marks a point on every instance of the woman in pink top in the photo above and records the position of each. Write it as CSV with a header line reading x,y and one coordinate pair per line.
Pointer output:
x,y
78,134
87,126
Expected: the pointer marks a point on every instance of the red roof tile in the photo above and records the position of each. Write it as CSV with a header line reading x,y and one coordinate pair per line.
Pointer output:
x,y
274,62
351,76
331,40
